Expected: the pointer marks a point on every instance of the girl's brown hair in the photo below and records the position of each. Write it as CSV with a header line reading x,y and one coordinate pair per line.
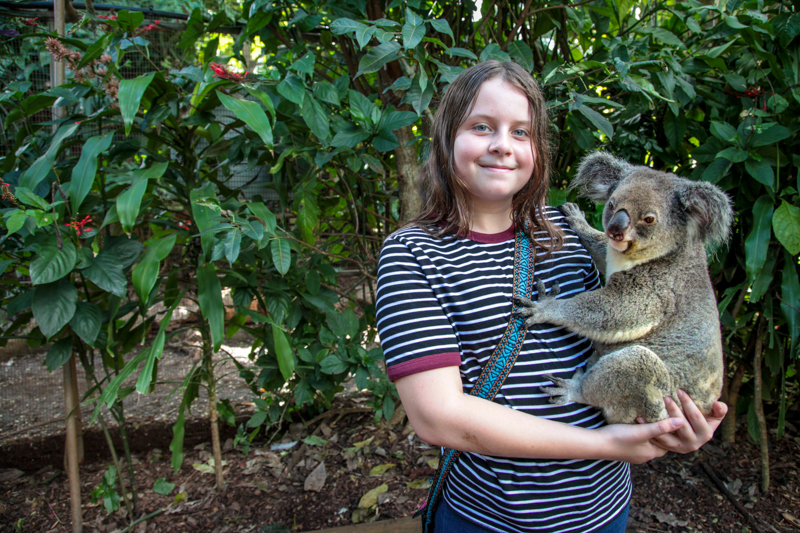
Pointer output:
x,y
445,207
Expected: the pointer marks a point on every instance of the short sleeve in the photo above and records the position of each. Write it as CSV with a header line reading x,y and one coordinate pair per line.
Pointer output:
x,y
414,331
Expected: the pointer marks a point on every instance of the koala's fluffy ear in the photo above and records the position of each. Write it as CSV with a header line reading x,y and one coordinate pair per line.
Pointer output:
x,y
708,211
597,175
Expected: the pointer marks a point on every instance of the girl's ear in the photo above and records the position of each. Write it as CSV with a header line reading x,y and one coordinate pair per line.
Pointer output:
x,y
598,174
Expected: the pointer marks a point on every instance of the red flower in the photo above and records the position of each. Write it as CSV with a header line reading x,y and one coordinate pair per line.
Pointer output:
x,y
79,226
222,72
107,17
31,22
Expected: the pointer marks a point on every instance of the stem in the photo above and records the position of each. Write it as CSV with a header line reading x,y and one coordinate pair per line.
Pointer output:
x,y
208,362
759,408
114,456
142,519
126,447
728,429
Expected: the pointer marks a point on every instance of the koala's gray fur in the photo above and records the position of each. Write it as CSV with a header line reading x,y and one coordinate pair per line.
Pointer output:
x,y
655,324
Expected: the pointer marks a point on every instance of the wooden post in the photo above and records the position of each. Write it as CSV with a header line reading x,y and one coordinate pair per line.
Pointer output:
x,y
70,369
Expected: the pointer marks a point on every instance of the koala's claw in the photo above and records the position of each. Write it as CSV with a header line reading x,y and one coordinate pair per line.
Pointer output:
x,y
571,210
542,289
560,394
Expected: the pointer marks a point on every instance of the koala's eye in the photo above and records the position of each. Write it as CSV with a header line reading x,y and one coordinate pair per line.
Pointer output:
x,y
649,219
610,205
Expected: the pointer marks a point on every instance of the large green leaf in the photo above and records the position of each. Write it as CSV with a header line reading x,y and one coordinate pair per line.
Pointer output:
x,y
232,244
42,166
54,305
757,243
316,118
265,215
130,96
281,255
442,26
28,197
106,272
790,300
204,217
412,34
86,322
59,353
786,224
522,54
129,202
144,275
209,294
126,250
283,351
154,352
50,264
251,114
292,88
600,122
377,57
761,171
86,168
194,29
675,129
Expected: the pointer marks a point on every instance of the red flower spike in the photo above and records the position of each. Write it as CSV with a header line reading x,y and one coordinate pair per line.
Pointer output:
x,y
31,22
222,72
79,226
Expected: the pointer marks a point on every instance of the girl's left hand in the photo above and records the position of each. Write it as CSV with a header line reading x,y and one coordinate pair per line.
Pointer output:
x,y
696,430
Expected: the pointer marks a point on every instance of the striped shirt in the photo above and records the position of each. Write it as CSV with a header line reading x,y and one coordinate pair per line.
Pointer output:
x,y
446,302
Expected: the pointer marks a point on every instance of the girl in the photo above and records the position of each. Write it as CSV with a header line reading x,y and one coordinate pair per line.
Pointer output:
x,y
444,288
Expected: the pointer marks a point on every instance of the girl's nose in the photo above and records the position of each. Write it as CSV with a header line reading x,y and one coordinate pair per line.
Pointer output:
x,y
501,143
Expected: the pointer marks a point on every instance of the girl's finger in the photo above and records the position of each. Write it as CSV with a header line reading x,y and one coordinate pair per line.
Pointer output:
x,y
697,421
687,432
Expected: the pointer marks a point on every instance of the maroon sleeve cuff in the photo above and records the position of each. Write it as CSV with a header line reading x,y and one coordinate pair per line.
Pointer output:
x,y
439,360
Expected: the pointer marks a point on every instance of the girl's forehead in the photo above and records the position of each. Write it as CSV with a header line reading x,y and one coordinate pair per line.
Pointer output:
x,y
497,95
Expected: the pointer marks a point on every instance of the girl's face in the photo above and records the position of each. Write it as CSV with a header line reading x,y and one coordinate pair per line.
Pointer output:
x,y
492,150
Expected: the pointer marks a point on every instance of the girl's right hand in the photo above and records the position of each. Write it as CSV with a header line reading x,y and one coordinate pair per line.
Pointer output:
x,y
631,443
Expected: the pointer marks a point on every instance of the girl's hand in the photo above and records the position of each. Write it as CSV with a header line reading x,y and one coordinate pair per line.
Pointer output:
x,y
696,429
638,444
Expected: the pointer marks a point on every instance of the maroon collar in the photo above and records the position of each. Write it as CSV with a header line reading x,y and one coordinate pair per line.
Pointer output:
x,y
492,238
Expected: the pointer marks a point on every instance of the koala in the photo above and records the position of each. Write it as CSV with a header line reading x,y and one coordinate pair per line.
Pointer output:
x,y
654,324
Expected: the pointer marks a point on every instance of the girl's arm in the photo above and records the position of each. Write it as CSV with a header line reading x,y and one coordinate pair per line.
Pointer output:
x,y
441,414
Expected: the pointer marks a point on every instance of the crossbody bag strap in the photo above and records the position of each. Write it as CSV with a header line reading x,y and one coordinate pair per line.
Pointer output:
x,y
497,368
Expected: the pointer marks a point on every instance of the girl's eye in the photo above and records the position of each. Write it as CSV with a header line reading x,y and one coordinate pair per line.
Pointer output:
x,y
481,127
520,133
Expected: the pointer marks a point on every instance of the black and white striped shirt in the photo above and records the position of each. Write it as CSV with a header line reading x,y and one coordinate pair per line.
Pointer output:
x,y
447,303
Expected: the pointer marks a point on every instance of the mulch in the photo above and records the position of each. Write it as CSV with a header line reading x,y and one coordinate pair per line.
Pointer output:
x,y
344,468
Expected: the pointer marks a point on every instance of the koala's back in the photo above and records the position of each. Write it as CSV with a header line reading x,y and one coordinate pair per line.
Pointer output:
x,y
687,337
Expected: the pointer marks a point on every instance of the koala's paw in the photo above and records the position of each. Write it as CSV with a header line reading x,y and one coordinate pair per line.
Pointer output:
x,y
533,312
571,210
561,394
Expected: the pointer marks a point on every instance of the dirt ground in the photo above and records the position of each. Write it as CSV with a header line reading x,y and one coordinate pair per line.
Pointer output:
x,y
375,472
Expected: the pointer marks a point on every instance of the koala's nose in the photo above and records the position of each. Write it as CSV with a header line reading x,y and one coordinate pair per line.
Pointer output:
x,y
618,224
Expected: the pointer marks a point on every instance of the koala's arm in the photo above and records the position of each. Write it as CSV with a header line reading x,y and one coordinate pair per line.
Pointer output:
x,y
593,240
616,313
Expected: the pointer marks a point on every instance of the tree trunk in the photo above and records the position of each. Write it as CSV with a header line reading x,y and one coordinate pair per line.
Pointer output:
x,y
407,170
763,442
728,429
208,363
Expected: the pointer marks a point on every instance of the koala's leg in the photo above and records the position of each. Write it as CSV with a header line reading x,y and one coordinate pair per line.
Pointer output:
x,y
626,384
593,240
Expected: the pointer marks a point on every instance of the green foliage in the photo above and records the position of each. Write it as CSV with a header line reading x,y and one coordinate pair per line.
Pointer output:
x,y
337,114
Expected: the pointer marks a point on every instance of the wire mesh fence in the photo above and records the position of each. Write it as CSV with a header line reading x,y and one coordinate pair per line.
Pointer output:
x,y
31,398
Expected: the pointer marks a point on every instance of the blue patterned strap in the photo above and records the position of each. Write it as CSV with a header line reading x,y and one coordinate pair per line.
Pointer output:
x,y
497,368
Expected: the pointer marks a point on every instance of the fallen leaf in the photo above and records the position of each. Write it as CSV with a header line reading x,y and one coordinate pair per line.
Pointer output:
x,y
10,474
789,517
381,469
363,442
419,483
370,499
316,479
670,519
207,468
163,487
279,447
434,463
314,440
